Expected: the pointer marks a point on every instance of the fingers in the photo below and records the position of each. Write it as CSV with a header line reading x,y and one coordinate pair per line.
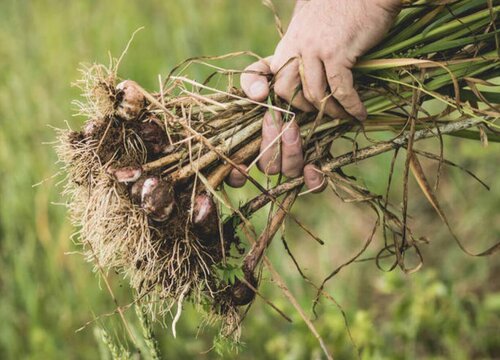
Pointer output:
x,y
270,160
314,87
287,85
342,87
254,81
236,179
292,159
313,178
317,75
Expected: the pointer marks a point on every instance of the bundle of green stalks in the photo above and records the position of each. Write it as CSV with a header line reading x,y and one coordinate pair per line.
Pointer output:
x,y
145,172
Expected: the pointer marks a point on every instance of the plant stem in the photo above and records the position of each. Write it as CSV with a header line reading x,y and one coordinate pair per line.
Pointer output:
x,y
350,158
244,154
252,259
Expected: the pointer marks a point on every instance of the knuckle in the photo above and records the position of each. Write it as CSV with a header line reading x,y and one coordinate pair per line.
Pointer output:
x,y
275,65
341,94
308,97
293,152
292,171
334,78
313,97
282,90
328,52
252,67
269,168
292,164
294,155
332,53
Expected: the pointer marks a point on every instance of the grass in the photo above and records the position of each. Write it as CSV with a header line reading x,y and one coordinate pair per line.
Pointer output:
x,y
450,309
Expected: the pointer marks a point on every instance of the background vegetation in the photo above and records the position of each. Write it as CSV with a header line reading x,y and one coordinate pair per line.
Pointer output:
x,y
448,310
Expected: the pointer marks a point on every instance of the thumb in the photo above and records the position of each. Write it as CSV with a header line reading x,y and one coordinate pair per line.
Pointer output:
x,y
254,81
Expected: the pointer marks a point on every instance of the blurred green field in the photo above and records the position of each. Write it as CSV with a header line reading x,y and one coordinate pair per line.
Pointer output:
x,y
448,310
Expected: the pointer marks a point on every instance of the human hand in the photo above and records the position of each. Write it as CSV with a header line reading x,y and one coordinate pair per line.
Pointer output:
x,y
285,156
325,38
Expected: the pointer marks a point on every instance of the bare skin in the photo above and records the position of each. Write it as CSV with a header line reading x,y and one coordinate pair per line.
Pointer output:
x,y
325,38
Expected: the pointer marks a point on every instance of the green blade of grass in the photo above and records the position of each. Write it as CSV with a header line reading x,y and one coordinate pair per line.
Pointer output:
x,y
454,11
451,44
410,31
434,34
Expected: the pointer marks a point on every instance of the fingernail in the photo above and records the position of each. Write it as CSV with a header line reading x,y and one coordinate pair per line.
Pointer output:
x,y
363,115
258,89
291,135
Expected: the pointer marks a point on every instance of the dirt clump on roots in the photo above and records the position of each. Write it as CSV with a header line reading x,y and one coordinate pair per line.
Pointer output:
x,y
165,235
